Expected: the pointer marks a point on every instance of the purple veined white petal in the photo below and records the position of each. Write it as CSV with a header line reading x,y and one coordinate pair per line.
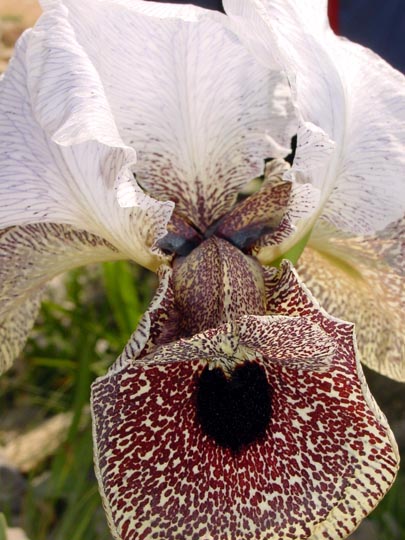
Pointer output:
x,y
351,105
200,112
356,101
43,181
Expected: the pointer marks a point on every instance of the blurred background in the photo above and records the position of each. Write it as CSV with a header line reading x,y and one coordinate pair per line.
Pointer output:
x,y
47,485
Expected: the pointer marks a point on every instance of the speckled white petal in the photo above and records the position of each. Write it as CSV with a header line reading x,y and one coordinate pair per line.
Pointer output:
x,y
15,325
362,279
43,181
201,113
354,97
29,257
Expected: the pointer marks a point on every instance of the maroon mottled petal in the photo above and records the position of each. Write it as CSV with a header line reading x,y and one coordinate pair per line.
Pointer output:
x,y
180,226
266,207
296,342
327,458
271,221
216,283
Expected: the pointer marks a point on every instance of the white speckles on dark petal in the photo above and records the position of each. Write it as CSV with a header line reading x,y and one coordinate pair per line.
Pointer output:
x,y
310,475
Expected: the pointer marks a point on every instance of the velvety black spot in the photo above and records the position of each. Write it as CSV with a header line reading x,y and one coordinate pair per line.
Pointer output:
x,y
234,411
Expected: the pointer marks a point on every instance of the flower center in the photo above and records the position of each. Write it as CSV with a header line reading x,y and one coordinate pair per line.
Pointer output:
x,y
235,411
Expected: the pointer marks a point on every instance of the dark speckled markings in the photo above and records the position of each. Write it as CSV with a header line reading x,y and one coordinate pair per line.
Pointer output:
x,y
326,458
216,283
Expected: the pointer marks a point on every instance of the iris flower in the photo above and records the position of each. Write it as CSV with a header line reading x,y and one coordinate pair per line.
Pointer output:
x,y
238,408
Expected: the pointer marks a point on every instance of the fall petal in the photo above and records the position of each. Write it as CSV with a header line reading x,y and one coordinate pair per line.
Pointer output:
x,y
45,182
351,105
362,280
323,466
29,257
178,481
201,113
325,460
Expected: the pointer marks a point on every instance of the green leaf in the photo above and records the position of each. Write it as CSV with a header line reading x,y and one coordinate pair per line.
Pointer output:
x,y
122,295
3,527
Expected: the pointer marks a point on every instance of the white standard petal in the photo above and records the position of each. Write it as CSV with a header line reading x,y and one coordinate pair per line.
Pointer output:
x,y
201,113
353,97
43,181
